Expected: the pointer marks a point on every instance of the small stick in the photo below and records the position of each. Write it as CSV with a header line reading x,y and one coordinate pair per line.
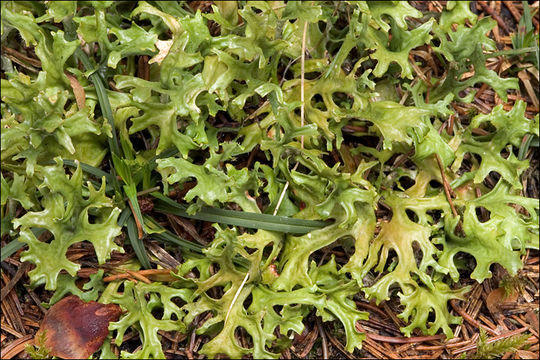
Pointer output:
x,y
31,61
450,126
281,196
14,280
513,10
495,16
469,319
323,337
139,276
16,347
340,347
398,339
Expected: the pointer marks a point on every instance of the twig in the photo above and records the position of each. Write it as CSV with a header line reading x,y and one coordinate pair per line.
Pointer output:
x,y
469,319
404,340
21,63
354,128
339,346
139,276
513,10
371,307
310,341
480,131
281,196
495,16
9,286
402,158
398,339
323,338
31,61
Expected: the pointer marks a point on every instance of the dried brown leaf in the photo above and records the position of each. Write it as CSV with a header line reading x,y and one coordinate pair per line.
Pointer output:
x,y
497,297
75,329
80,95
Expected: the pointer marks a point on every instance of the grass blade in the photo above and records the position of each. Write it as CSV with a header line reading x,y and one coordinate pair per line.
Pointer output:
x,y
137,243
240,218
88,168
525,144
103,99
511,52
14,245
11,248
168,237
123,217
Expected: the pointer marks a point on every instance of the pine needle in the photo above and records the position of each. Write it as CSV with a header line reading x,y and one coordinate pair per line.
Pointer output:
x,y
302,107
236,296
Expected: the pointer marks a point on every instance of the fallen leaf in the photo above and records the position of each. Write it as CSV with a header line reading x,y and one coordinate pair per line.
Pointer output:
x,y
75,329
80,95
497,297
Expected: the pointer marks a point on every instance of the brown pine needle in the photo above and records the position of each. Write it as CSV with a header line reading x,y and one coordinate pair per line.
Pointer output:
x,y
141,274
137,222
446,185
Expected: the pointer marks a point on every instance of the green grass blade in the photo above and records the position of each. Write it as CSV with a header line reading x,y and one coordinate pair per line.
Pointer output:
x,y
137,243
165,235
11,248
88,168
14,245
511,52
168,237
131,193
123,217
240,218
175,240
103,99
524,147
527,18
